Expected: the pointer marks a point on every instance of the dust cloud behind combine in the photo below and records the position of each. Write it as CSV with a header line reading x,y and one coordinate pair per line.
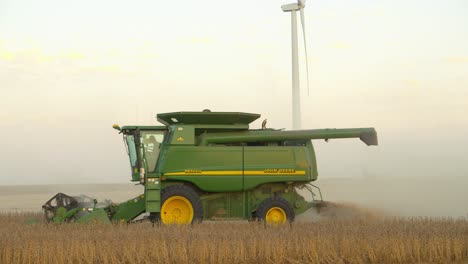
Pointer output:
x,y
407,197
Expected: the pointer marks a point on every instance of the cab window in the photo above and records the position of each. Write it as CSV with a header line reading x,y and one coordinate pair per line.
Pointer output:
x,y
151,143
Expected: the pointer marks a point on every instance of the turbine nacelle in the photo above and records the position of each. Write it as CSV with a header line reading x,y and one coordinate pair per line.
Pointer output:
x,y
290,7
293,6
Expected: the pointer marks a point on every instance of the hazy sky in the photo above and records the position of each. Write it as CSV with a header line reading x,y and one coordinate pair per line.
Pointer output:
x,y
70,69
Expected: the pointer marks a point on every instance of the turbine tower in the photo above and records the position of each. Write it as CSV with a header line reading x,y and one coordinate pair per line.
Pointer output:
x,y
296,94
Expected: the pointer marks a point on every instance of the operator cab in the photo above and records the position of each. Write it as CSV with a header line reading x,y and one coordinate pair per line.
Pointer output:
x,y
143,146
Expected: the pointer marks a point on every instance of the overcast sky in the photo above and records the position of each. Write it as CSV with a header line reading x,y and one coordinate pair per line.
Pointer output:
x,y
70,69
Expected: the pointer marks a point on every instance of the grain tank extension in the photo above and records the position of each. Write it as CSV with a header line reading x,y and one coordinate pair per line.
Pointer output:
x,y
212,166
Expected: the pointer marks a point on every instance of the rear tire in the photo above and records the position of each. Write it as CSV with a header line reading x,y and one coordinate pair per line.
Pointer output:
x,y
180,204
275,211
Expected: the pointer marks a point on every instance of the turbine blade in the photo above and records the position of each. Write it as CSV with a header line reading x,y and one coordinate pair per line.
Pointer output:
x,y
305,47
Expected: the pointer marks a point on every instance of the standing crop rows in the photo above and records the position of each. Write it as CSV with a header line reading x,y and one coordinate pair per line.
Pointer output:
x,y
330,241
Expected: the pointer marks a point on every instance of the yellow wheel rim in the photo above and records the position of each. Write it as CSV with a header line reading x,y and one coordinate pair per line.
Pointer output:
x,y
177,210
276,216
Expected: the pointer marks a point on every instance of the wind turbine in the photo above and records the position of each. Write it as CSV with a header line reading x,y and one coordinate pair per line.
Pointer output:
x,y
296,100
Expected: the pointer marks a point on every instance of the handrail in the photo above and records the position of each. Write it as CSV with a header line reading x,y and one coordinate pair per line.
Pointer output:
x,y
310,187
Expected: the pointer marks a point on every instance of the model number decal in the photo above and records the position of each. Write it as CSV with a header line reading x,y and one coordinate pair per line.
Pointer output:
x,y
279,171
193,171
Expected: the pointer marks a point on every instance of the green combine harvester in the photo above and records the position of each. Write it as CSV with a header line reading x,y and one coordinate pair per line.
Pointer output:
x,y
211,166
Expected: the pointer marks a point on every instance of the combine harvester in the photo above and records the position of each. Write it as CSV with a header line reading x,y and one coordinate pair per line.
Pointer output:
x,y
211,166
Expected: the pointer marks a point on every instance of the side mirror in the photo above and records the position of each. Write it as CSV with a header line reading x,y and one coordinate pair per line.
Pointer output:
x,y
116,127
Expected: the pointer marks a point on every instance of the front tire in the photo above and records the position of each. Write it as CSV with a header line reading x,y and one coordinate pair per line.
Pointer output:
x,y
180,204
275,211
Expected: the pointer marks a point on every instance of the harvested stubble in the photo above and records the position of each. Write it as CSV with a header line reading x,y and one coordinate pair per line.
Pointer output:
x,y
393,240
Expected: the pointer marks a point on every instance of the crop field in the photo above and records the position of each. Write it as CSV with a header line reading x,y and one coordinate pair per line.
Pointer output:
x,y
366,239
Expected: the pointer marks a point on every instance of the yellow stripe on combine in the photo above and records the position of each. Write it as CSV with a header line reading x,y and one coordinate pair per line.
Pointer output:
x,y
236,172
